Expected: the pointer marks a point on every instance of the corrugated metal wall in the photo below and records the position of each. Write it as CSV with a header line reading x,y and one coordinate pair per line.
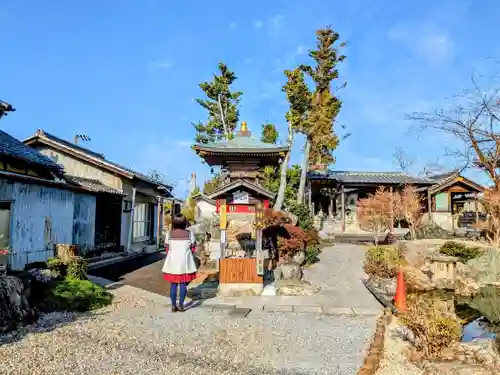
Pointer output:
x,y
43,216
84,215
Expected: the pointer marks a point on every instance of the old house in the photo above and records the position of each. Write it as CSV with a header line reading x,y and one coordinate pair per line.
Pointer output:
x,y
129,204
38,207
333,196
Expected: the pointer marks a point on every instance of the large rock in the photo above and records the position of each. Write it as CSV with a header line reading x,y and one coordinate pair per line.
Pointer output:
x,y
299,258
416,280
295,288
486,268
14,307
288,271
237,229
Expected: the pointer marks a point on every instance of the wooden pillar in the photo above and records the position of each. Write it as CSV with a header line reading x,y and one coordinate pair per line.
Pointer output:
x,y
429,205
259,216
342,202
309,198
391,228
131,223
159,220
223,227
476,208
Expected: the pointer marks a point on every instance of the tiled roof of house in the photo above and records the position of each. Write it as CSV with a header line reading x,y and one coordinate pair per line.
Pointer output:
x,y
390,178
92,185
40,134
12,147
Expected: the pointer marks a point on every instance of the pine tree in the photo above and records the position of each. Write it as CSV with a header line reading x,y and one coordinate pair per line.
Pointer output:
x,y
222,106
269,134
321,139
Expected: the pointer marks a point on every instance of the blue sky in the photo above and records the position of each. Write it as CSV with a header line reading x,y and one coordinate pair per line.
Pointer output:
x,y
126,72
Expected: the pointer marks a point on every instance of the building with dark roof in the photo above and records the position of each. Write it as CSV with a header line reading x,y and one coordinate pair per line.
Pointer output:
x,y
129,203
336,193
38,207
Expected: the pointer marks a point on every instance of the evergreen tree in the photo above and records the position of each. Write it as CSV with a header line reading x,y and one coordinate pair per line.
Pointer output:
x,y
321,139
222,106
269,134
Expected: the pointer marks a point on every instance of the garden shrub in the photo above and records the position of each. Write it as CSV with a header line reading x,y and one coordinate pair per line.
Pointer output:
x,y
77,295
434,329
304,219
382,261
459,250
57,266
77,269
429,231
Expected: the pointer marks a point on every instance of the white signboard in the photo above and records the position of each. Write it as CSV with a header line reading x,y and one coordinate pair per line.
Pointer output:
x,y
240,197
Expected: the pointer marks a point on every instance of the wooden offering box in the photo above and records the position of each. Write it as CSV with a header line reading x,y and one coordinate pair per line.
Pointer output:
x,y
239,270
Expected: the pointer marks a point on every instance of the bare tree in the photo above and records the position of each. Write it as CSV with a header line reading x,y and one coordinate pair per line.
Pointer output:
x,y
474,121
402,160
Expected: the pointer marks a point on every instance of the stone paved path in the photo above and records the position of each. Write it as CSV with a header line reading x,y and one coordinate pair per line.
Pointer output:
x,y
339,275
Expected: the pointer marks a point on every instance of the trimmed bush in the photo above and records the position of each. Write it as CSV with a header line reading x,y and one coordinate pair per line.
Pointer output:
x,y
77,295
434,329
459,250
77,269
57,266
383,261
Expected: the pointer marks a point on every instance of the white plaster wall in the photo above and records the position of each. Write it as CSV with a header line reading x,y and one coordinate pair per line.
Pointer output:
x,y
443,220
204,210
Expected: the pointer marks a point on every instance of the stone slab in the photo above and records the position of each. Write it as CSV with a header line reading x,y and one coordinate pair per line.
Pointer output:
x,y
239,312
308,309
338,310
279,308
366,311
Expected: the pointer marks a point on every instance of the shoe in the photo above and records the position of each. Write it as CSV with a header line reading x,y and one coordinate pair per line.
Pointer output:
x,y
175,309
181,309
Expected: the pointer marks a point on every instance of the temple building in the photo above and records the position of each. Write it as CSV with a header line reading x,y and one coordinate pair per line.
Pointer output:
x,y
239,203
333,196
241,158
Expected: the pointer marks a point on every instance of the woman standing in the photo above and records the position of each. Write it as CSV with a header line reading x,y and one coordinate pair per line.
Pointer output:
x,y
180,266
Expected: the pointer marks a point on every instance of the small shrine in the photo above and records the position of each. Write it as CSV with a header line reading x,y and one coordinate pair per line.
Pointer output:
x,y
240,204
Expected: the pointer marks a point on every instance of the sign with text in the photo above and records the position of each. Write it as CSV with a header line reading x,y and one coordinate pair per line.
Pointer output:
x,y
462,196
240,197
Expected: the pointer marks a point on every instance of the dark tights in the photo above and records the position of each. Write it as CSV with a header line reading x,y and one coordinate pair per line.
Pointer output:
x,y
182,293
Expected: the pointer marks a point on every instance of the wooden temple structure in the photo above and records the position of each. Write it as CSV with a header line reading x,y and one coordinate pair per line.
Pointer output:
x,y
334,195
241,199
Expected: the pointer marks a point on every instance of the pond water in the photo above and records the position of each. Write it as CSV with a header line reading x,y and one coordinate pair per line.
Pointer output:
x,y
480,313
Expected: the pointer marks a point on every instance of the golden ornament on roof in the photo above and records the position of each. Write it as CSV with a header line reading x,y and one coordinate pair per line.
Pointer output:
x,y
244,126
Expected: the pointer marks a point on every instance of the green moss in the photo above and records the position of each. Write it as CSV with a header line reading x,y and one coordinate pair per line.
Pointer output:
x,y
459,250
77,295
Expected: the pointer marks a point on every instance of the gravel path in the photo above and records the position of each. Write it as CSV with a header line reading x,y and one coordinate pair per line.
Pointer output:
x,y
138,335
339,274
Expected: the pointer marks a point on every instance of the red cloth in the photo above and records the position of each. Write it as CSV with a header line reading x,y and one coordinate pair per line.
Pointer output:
x,y
186,278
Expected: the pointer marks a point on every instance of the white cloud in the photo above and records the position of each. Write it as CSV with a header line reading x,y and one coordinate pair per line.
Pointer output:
x,y
258,24
300,50
165,64
233,25
432,44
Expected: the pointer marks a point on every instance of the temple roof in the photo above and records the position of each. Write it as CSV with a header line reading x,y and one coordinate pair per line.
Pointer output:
x,y
242,143
347,177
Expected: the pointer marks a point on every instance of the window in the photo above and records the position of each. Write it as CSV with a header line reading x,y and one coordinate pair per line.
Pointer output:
x,y
127,206
4,224
142,222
